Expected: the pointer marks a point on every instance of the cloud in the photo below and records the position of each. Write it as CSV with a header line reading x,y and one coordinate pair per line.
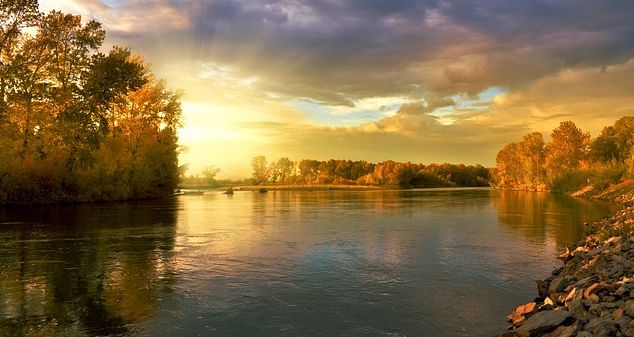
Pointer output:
x,y
592,98
338,52
411,79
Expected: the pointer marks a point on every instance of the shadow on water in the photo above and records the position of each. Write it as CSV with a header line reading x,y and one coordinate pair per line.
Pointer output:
x,y
89,269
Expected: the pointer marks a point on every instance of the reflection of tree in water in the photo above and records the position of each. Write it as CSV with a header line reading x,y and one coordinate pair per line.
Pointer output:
x,y
85,269
542,216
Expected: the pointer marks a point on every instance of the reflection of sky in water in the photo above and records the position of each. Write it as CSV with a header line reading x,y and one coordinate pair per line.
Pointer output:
x,y
390,263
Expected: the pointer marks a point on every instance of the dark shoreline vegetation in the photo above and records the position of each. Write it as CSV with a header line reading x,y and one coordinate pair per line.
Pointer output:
x,y
77,124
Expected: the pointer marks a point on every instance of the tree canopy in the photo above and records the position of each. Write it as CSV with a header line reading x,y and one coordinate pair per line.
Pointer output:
x,y
571,157
78,123
387,173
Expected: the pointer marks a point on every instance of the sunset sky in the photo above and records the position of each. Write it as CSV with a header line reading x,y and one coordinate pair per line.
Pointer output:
x,y
422,81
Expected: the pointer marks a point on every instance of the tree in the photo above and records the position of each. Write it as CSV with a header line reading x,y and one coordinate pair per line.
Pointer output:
x,y
83,125
209,174
509,166
604,148
261,171
624,137
567,149
14,16
532,157
284,168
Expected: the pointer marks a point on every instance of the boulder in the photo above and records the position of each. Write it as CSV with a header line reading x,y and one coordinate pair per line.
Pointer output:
x,y
601,327
565,331
557,285
629,307
591,290
544,321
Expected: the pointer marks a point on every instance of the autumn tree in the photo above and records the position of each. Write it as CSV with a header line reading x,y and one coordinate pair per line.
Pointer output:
x,y
261,171
209,174
567,149
282,170
84,125
15,15
509,166
532,159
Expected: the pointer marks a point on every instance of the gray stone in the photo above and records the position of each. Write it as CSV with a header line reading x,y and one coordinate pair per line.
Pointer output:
x,y
601,327
557,285
544,321
564,331
629,307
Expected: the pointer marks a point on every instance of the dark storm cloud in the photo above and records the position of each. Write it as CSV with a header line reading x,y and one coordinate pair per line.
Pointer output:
x,y
339,51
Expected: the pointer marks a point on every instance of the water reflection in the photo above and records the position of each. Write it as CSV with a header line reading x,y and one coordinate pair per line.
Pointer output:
x,y
323,263
540,216
77,270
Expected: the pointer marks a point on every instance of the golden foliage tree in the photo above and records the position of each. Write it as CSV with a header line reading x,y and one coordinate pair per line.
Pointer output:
x,y
567,149
78,124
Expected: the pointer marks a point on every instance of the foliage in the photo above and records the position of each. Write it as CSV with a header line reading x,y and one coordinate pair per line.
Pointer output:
x,y
348,172
568,148
570,161
521,165
77,124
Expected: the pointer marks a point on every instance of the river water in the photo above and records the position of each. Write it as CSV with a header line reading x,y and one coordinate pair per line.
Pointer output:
x,y
326,263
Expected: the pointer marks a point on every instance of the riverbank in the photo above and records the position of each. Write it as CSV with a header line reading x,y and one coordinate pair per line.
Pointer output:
x,y
312,187
592,294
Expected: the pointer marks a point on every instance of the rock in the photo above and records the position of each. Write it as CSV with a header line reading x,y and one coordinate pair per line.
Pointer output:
x,y
565,331
509,334
615,239
525,309
557,285
593,298
601,327
591,290
629,307
592,293
583,282
544,321
542,288
521,313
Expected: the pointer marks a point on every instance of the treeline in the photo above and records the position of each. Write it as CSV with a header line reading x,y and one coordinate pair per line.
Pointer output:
x,y
387,173
77,124
570,160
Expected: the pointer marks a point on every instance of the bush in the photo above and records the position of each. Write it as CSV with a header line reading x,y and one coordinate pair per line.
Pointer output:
x,y
599,178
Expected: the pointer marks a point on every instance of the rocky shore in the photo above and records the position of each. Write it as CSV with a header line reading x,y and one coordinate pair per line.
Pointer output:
x,y
592,294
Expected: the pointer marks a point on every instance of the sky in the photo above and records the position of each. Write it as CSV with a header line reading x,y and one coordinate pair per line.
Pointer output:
x,y
422,81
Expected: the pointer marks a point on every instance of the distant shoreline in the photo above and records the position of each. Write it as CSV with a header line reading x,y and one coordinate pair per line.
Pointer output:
x,y
256,188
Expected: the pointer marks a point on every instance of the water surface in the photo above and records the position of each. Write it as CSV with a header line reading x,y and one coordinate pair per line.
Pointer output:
x,y
326,263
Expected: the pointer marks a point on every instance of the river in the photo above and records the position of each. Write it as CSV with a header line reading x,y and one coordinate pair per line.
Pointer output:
x,y
444,262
